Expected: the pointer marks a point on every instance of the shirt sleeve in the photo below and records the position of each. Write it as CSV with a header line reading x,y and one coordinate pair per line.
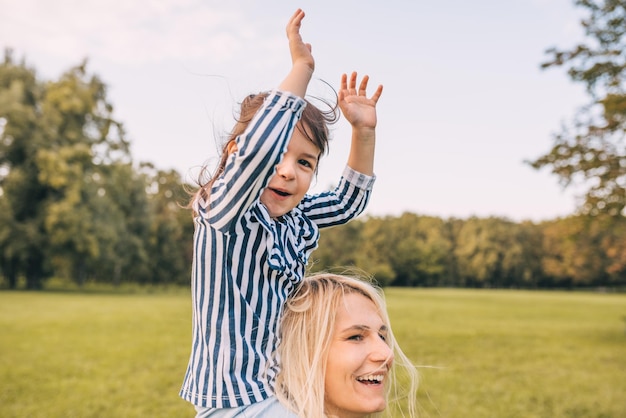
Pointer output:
x,y
248,170
348,200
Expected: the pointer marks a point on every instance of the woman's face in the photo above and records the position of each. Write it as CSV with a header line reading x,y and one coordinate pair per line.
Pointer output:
x,y
358,360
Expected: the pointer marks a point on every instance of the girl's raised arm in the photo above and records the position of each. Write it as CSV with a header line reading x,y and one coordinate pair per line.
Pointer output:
x,y
302,60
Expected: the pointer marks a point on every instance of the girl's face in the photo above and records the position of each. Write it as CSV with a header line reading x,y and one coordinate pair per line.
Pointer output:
x,y
293,176
358,360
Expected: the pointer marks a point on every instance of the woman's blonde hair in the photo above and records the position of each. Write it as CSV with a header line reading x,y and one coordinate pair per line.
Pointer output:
x,y
306,333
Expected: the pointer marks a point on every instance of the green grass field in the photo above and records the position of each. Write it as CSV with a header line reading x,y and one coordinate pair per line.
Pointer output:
x,y
481,353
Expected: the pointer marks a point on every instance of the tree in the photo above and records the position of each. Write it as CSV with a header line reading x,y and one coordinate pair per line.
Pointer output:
x,y
592,151
613,245
171,232
409,250
23,238
125,219
584,251
495,252
339,248
56,138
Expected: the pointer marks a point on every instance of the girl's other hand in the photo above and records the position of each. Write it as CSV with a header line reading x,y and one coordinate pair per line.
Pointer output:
x,y
359,110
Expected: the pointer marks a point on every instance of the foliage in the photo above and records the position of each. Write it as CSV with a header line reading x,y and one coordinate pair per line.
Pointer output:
x,y
413,250
593,149
74,204
585,251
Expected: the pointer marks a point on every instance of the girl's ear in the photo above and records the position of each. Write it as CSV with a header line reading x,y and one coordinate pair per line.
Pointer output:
x,y
231,147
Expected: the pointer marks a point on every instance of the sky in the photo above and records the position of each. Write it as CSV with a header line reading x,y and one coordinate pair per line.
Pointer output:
x,y
465,102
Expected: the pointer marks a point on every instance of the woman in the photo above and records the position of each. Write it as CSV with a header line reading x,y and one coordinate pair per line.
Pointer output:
x,y
337,350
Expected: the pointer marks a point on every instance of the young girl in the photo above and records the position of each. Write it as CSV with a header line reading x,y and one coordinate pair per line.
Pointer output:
x,y
255,228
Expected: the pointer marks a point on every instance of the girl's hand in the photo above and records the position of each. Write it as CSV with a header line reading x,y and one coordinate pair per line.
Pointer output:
x,y
354,104
300,51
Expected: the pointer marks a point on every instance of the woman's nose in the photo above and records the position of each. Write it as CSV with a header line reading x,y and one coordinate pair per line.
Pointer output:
x,y
381,352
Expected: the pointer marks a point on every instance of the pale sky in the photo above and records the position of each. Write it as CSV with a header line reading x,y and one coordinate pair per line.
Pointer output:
x,y
464,101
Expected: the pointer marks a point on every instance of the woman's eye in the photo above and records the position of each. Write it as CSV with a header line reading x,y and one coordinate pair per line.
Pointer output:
x,y
357,337
383,337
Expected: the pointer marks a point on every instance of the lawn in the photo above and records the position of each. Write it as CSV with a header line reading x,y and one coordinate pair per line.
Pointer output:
x,y
481,353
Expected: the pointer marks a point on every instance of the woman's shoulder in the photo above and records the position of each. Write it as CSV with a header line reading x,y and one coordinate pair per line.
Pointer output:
x,y
269,408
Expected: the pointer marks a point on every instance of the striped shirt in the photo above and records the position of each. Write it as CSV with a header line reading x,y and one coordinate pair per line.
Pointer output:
x,y
246,263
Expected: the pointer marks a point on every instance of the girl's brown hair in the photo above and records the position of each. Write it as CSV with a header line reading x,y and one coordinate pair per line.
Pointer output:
x,y
313,125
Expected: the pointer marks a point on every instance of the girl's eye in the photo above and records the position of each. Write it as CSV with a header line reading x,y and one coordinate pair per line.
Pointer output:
x,y
306,163
383,337
357,337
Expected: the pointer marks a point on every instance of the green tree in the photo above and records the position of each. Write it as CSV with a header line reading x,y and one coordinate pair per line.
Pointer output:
x,y
84,145
56,139
584,251
171,232
614,246
592,151
23,240
412,249
526,268
340,247
376,248
126,227
357,247
491,252
451,231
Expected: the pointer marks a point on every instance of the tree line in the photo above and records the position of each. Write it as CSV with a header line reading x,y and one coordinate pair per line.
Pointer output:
x,y
414,250
74,204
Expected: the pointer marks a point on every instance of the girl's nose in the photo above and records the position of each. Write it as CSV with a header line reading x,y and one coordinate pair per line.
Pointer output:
x,y
285,170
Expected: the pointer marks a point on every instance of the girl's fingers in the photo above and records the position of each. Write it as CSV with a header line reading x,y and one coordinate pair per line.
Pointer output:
x,y
353,81
350,87
377,94
295,21
363,86
344,82
297,17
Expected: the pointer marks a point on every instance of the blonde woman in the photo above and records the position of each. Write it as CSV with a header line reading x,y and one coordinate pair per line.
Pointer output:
x,y
338,353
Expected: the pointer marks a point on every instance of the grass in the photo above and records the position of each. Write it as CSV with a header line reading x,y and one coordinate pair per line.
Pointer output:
x,y
93,355
485,353
515,353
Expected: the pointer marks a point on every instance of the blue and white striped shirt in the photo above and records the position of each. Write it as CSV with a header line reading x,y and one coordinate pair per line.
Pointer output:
x,y
247,263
